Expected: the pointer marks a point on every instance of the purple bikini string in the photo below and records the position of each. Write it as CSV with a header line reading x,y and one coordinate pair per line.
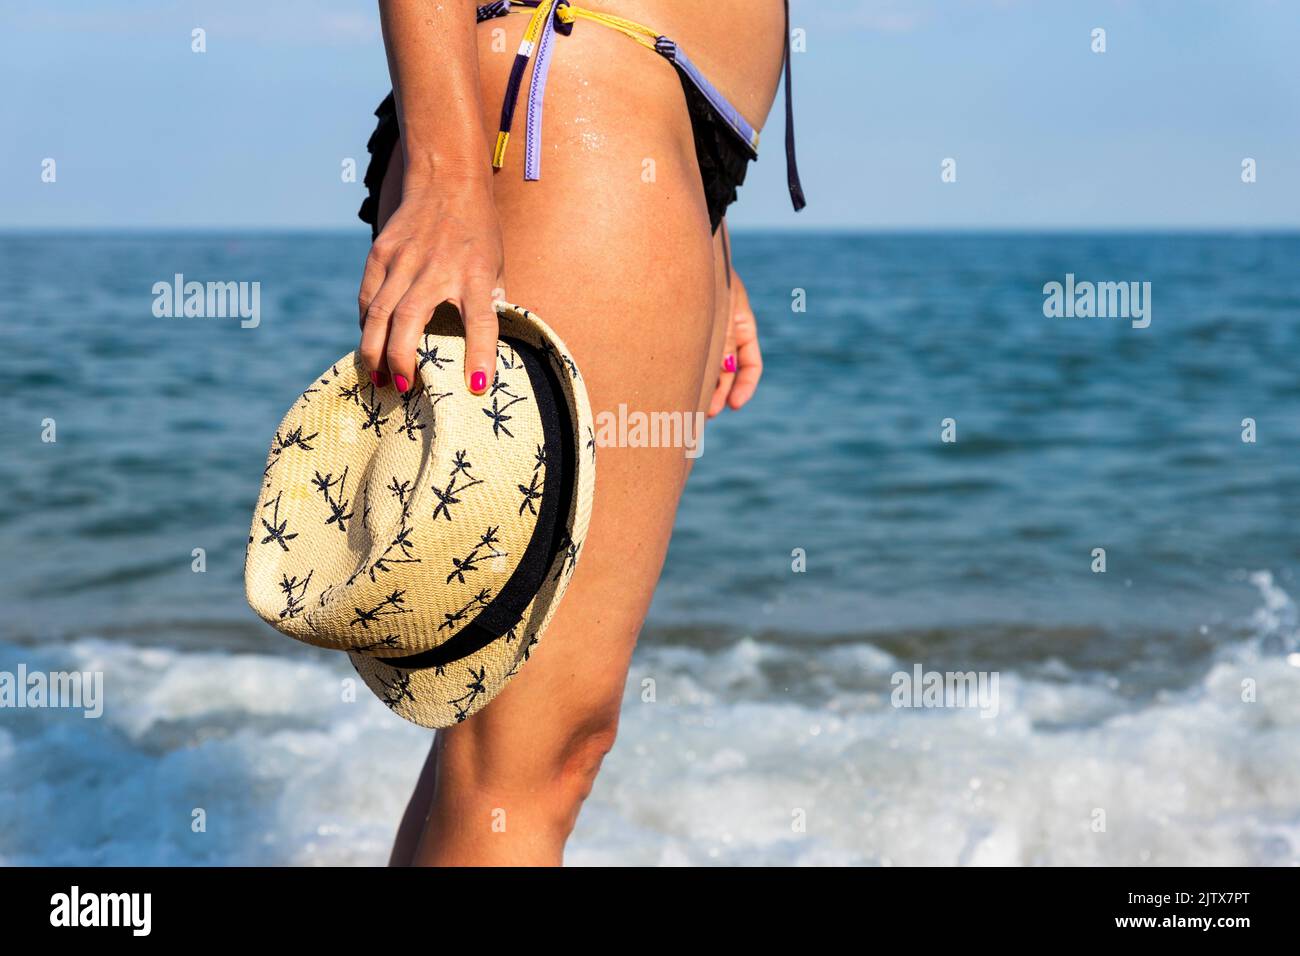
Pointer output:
x,y
536,91
674,54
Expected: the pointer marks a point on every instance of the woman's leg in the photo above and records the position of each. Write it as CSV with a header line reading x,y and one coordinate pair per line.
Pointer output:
x,y
613,249
421,801
417,812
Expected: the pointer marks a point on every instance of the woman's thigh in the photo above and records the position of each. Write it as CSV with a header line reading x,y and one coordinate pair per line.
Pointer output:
x,y
612,247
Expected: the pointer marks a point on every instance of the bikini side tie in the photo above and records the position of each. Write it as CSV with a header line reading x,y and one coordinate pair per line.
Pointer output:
x,y
539,19
552,16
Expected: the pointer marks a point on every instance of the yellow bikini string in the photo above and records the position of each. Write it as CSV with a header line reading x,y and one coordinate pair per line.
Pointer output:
x,y
639,32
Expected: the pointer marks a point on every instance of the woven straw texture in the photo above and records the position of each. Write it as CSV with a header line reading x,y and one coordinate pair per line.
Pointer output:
x,y
386,523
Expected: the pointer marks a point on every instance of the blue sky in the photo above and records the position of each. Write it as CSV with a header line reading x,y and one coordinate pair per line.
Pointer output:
x,y
1046,133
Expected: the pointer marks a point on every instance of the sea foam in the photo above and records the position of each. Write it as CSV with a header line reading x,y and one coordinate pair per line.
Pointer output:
x,y
757,754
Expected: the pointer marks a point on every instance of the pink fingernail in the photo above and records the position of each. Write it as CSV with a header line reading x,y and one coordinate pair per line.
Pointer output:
x,y
478,383
400,382
729,363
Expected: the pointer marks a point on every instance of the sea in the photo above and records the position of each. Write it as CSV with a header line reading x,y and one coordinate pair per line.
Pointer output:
x,y
1097,517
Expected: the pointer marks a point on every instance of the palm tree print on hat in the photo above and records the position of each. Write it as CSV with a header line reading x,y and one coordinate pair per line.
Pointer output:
x,y
403,543
352,393
506,355
305,397
479,600
547,349
294,591
499,417
531,494
469,563
539,458
387,641
473,688
570,557
293,439
430,357
397,690
559,358
450,495
373,419
591,442
461,463
411,416
275,528
338,507
510,637
519,661
500,386
400,489
388,607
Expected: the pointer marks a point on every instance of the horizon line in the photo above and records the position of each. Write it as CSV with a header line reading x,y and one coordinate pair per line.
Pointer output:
x,y
342,231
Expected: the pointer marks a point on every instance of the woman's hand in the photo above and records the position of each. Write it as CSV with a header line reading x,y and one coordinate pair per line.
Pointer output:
x,y
442,244
742,362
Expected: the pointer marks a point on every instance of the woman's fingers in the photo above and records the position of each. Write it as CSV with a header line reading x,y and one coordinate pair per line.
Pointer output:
x,y
749,358
398,274
374,334
406,328
372,279
480,318
406,277
726,372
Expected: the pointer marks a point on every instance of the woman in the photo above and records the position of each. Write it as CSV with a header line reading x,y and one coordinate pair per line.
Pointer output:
x,y
621,247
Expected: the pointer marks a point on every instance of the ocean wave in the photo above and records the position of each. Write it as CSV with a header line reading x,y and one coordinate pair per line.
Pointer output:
x,y
755,753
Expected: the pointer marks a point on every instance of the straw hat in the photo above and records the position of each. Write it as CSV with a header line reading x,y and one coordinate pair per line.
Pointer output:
x,y
430,535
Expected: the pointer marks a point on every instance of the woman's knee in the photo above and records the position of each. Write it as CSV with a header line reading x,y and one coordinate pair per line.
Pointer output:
x,y
570,762
579,759
555,761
